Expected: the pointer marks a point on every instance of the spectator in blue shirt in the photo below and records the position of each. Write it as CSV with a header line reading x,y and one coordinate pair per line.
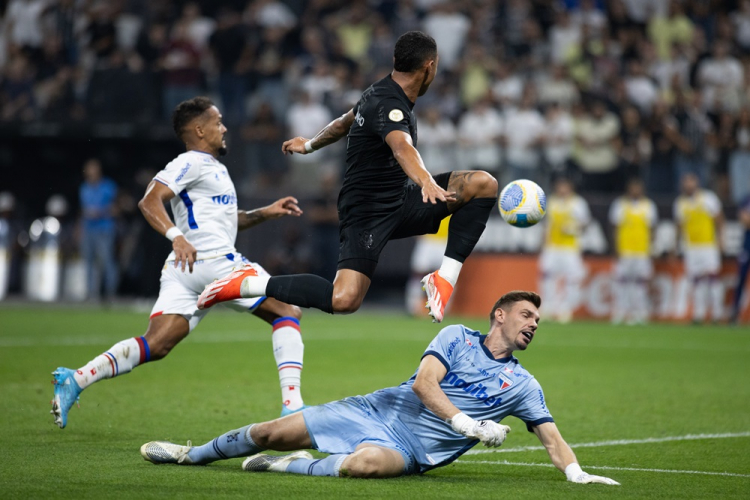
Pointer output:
x,y
97,196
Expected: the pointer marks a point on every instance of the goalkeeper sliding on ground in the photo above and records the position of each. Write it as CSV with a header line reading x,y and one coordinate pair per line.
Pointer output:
x,y
465,384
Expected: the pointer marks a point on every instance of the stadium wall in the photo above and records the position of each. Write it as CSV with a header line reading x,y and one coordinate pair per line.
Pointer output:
x,y
485,277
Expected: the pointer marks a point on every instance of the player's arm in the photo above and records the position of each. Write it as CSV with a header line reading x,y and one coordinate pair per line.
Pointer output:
x,y
411,162
279,208
562,455
427,387
331,133
152,208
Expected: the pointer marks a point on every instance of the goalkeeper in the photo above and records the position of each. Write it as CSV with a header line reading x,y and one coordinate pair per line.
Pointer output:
x,y
465,384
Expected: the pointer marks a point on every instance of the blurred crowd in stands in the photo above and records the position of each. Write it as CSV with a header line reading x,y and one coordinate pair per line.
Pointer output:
x,y
599,90
596,91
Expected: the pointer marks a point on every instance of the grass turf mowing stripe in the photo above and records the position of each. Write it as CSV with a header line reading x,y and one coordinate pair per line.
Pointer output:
x,y
620,442
606,467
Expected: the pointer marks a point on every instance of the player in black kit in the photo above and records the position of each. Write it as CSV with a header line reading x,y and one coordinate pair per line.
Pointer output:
x,y
376,203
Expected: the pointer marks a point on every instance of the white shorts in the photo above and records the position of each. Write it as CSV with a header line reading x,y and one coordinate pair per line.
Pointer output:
x,y
640,268
427,255
702,261
179,291
562,263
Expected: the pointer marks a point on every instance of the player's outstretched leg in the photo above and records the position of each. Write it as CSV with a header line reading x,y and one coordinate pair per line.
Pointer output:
x,y
232,444
283,434
121,358
343,296
476,195
163,333
304,290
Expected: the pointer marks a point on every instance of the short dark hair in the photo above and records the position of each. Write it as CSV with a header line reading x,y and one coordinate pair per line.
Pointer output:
x,y
506,301
188,110
413,48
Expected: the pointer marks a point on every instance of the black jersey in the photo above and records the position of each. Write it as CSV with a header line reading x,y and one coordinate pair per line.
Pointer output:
x,y
374,181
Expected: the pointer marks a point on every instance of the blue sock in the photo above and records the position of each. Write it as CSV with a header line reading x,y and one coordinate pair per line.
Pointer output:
x,y
328,466
236,443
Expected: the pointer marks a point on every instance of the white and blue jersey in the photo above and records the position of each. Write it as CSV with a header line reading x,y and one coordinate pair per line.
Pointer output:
x,y
477,384
205,205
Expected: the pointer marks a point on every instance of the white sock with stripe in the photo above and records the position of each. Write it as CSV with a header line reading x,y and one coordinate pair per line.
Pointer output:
x,y
118,360
450,269
289,350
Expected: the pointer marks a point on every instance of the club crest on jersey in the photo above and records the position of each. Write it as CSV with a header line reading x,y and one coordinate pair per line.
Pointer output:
x,y
506,382
396,115
468,342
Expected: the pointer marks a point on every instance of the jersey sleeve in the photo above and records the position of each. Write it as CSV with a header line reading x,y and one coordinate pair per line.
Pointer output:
x,y
179,174
583,212
446,344
391,114
615,212
533,409
713,204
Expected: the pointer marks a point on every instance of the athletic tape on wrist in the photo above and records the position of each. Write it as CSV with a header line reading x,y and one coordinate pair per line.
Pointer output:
x,y
173,232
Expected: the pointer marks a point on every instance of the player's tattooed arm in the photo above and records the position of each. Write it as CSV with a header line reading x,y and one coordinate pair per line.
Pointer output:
x,y
331,133
279,208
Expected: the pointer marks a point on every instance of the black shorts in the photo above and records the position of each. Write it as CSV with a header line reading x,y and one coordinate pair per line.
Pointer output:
x,y
362,239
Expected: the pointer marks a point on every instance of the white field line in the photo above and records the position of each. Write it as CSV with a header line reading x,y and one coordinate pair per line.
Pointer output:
x,y
605,467
620,442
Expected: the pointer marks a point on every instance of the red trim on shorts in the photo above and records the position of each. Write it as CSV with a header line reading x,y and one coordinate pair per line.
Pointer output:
x,y
159,313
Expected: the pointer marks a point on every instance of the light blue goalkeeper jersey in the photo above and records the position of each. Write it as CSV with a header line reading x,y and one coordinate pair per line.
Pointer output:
x,y
479,385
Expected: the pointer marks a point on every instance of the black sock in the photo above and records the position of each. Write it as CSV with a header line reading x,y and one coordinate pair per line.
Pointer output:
x,y
466,226
304,290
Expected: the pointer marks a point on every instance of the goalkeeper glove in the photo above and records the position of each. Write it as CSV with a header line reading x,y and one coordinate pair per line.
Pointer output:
x,y
575,474
491,434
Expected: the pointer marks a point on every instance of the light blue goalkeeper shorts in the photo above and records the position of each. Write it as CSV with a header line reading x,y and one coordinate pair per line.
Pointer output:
x,y
340,426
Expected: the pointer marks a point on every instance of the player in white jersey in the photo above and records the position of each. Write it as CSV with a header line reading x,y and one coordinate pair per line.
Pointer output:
x,y
633,217
203,234
560,262
465,384
699,218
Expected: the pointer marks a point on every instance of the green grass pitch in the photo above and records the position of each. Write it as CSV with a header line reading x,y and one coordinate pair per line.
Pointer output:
x,y
645,390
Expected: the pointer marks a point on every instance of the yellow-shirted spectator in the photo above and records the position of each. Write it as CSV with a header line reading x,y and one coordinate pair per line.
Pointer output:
x,y
698,214
560,262
633,217
665,31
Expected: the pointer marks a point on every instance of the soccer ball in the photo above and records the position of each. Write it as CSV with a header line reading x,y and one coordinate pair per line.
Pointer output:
x,y
522,203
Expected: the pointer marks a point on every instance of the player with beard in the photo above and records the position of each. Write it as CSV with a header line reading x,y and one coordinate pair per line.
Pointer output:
x,y
465,384
376,203
204,204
